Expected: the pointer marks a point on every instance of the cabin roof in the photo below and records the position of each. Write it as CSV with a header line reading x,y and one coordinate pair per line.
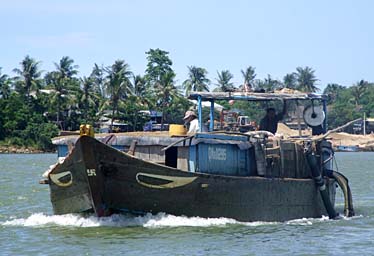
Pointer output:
x,y
257,96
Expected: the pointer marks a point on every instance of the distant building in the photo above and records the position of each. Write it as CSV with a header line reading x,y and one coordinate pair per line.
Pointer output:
x,y
358,127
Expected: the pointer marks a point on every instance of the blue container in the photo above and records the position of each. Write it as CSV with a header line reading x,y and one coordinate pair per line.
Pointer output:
x,y
222,155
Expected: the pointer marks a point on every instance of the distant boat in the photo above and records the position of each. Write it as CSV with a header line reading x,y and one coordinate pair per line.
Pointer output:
x,y
343,148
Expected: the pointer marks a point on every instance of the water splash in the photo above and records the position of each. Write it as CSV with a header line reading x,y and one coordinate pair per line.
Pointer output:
x,y
307,221
148,221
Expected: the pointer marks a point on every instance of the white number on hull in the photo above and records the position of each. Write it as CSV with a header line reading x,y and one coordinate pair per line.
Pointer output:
x,y
215,153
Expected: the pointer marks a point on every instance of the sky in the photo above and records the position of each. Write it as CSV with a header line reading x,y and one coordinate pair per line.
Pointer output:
x,y
335,38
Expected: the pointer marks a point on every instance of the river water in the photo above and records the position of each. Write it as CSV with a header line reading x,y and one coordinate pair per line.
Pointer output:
x,y
28,226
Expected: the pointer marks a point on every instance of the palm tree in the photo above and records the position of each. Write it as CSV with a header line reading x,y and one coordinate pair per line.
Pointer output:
x,y
142,95
89,97
197,80
333,90
118,84
358,90
97,75
166,92
140,89
223,81
5,82
271,84
289,81
306,79
64,86
249,75
62,93
66,67
28,76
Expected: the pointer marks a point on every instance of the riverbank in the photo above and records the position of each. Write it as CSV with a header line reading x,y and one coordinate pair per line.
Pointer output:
x,y
20,150
363,142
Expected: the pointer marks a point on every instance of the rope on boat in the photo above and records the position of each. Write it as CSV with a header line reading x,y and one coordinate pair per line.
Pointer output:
x,y
321,137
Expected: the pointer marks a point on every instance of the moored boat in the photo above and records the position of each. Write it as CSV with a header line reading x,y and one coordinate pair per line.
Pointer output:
x,y
249,177
344,148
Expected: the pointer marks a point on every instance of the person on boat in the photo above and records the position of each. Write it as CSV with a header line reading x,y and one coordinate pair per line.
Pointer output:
x,y
270,121
191,118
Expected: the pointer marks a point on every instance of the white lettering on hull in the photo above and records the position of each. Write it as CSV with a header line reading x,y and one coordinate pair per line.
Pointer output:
x,y
215,153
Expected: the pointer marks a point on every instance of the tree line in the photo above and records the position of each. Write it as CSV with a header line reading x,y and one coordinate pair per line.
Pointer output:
x,y
35,105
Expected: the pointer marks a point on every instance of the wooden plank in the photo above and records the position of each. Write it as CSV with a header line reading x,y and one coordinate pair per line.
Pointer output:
x,y
142,152
289,158
183,154
155,154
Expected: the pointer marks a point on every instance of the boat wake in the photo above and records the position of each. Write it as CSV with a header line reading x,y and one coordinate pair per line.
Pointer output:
x,y
117,220
148,221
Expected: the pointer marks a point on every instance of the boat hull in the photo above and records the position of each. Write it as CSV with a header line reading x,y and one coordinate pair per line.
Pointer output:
x,y
106,180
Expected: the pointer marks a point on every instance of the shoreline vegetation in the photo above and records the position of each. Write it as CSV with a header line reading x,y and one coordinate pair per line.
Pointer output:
x,y
21,150
365,143
36,105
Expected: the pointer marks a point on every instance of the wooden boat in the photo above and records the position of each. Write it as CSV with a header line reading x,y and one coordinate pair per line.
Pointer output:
x,y
247,177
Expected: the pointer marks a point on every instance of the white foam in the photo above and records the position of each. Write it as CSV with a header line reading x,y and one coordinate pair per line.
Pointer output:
x,y
307,221
166,220
149,221
40,219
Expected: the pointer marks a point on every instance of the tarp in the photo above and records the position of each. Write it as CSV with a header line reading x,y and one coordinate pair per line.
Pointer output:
x,y
207,105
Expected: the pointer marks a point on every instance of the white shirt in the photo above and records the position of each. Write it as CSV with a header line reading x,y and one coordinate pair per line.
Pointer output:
x,y
194,126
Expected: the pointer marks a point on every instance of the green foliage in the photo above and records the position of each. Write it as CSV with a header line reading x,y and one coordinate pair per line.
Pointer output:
x,y
28,76
306,79
158,65
197,80
249,74
34,108
224,82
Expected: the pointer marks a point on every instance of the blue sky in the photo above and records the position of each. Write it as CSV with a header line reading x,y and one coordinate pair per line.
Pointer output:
x,y
335,38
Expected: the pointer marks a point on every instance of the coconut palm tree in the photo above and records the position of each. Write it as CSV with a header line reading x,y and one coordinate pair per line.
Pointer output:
x,y
271,84
97,75
249,75
66,68
224,81
141,90
306,79
118,85
5,83
28,76
333,90
142,95
197,80
358,91
289,81
89,98
62,93
166,92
